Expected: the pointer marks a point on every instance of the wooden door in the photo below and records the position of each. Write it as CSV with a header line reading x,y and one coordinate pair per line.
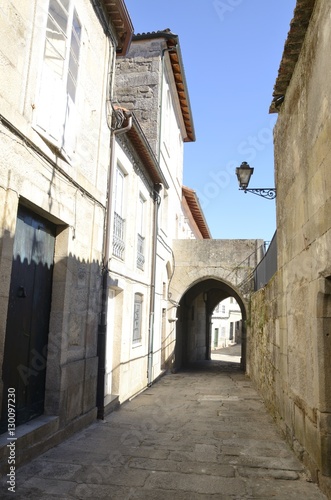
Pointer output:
x,y
25,353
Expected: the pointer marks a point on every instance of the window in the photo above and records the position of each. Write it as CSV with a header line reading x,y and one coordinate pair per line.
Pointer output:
x,y
140,237
216,337
56,102
137,314
231,331
118,234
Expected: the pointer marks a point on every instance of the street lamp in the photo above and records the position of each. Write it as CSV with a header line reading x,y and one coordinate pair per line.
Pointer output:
x,y
244,173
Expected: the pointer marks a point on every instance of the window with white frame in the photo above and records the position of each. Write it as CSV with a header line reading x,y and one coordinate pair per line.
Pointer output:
x,y
56,113
140,233
137,317
118,230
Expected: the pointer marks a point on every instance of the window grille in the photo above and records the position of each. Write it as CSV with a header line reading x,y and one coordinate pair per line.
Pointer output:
x,y
140,252
137,314
118,237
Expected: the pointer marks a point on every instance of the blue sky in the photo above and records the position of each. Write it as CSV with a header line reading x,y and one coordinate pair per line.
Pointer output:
x,y
231,51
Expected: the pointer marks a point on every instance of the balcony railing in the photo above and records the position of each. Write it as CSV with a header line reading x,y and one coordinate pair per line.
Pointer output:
x,y
118,237
140,252
267,267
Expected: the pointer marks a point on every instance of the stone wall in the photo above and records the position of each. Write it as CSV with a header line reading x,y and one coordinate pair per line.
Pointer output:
x,y
264,349
291,318
232,261
138,85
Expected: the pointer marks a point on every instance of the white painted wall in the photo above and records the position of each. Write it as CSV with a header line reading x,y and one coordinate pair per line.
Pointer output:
x,y
226,313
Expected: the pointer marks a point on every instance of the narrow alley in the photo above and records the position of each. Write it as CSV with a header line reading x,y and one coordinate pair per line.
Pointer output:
x,y
202,433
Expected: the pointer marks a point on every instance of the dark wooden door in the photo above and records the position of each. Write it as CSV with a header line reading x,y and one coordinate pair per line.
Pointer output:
x,y
25,352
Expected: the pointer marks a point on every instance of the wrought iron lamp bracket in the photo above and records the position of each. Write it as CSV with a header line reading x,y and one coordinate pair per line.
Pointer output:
x,y
268,193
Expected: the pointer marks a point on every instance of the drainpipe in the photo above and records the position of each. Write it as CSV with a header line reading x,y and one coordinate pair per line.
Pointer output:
x,y
102,329
157,201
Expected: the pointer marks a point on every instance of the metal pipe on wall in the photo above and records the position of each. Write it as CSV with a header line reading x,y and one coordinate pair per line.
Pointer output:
x,y
157,201
102,330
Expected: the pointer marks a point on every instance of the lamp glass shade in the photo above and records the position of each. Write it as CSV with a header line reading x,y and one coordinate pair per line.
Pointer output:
x,y
244,173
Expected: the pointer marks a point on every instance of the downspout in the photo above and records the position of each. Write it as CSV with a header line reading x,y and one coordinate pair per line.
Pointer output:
x,y
157,201
102,330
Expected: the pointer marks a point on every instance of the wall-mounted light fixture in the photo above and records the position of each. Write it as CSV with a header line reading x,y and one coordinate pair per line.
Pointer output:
x,y
244,174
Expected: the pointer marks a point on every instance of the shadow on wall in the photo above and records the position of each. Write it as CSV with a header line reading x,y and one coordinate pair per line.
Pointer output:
x,y
49,335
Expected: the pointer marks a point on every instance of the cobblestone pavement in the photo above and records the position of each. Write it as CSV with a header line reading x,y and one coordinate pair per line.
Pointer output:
x,y
201,434
230,353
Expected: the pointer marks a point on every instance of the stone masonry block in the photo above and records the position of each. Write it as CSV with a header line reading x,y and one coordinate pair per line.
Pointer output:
x,y
73,373
91,368
299,424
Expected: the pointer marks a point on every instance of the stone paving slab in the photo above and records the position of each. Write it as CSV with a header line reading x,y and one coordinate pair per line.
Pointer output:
x,y
201,434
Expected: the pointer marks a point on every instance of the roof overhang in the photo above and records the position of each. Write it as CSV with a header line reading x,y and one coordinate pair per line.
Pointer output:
x,y
196,211
145,153
292,49
120,19
177,66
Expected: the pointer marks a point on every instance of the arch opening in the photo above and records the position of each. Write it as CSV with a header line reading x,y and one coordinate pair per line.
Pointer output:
x,y
226,328
194,328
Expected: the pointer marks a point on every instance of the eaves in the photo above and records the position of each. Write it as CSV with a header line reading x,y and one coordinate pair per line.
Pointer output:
x,y
292,49
177,66
145,153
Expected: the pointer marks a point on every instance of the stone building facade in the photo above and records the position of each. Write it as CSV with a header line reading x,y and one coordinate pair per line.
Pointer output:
x,y
141,339
55,126
226,324
289,348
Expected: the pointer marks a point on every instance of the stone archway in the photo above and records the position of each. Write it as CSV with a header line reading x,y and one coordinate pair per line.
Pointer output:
x,y
210,270
194,320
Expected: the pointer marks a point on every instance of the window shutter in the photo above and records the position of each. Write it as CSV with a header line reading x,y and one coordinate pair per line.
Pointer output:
x,y
56,114
69,136
51,105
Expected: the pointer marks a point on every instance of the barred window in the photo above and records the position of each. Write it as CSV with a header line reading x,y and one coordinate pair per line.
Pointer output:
x,y
119,221
137,315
